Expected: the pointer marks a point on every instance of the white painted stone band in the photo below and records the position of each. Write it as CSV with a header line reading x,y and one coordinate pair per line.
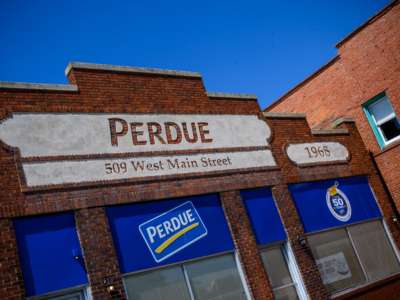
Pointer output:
x,y
312,153
67,172
59,134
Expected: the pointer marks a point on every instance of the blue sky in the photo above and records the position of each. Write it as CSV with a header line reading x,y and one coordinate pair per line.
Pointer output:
x,y
258,47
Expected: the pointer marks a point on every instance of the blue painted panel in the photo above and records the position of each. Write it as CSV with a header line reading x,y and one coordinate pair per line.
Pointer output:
x,y
46,246
264,216
332,203
136,244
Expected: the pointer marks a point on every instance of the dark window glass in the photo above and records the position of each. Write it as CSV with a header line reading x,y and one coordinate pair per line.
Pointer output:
x,y
79,295
391,129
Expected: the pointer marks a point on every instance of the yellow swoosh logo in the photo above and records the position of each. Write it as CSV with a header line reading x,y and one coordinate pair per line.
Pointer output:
x,y
173,238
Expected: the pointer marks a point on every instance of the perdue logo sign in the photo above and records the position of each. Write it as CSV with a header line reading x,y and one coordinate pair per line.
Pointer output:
x,y
172,231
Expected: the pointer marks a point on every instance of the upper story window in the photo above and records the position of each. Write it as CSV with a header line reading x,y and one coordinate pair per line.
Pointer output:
x,y
383,120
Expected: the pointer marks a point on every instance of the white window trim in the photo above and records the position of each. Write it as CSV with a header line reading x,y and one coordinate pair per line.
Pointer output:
x,y
391,116
242,276
295,272
188,284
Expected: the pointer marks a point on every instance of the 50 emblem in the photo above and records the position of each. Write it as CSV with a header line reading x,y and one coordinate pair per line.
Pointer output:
x,y
338,203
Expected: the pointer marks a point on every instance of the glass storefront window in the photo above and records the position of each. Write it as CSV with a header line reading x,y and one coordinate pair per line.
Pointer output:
x,y
164,284
278,273
69,294
374,250
215,278
285,293
336,260
74,296
352,256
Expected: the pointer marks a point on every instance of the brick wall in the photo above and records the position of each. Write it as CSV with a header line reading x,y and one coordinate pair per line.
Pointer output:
x,y
102,267
106,91
11,285
367,64
245,242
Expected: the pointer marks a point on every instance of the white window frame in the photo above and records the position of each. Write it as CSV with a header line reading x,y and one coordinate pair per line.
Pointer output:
x,y
295,272
378,124
242,275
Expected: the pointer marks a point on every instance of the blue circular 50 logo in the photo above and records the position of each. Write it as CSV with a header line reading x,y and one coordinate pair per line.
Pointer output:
x,y
338,203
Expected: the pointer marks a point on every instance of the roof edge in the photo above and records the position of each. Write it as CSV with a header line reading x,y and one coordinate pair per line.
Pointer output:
x,y
371,20
5,85
278,115
329,131
303,82
342,120
128,69
232,96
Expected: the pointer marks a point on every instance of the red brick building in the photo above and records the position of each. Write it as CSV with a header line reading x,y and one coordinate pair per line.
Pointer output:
x,y
133,183
362,82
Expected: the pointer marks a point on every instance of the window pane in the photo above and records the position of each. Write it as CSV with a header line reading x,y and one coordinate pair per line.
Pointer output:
x,y
276,267
287,293
381,109
390,129
336,260
164,284
374,250
216,278
73,296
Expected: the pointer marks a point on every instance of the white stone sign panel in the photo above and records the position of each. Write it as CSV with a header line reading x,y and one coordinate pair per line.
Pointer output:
x,y
72,148
58,134
77,171
315,153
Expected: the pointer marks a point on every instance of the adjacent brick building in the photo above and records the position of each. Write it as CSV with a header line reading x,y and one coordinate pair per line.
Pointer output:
x,y
362,82
134,183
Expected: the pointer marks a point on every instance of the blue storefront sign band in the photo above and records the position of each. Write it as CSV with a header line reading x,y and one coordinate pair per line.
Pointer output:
x,y
333,203
156,233
172,231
